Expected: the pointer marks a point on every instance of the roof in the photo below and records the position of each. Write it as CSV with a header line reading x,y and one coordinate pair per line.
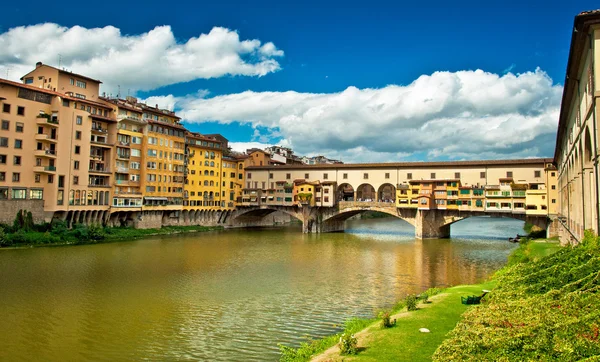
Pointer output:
x,y
62,71
579,40
26,86
449,164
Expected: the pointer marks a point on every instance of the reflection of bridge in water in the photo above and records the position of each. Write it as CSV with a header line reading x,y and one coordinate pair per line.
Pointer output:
x,y
428,223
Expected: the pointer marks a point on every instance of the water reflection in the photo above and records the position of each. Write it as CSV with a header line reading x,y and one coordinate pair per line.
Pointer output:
x,y
226,295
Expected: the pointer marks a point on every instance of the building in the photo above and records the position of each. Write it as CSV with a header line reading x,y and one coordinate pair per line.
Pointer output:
x,y
55,112
576,154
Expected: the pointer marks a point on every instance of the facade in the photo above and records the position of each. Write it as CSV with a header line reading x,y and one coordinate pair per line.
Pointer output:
x,y
510,186
576,155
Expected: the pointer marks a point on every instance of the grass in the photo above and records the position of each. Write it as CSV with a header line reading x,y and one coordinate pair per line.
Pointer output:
x,y
404,342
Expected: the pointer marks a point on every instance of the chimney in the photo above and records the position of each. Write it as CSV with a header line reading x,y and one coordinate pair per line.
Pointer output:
x,y
38,64
156,106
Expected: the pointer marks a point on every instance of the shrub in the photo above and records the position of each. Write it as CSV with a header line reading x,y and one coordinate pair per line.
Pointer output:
x,y
96,233
348,343
3,241
386,322
411,302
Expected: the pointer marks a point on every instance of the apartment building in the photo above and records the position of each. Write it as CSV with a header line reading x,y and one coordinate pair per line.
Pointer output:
x,y
57,115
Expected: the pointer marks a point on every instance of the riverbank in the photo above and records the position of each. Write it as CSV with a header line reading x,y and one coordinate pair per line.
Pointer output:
x,y
404,341
57,234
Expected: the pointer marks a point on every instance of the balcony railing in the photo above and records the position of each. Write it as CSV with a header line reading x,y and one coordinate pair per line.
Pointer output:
x,y
123,169
123,156
100,170
99,129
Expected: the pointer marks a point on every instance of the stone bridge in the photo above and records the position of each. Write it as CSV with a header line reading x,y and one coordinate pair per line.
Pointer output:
x,y
428,223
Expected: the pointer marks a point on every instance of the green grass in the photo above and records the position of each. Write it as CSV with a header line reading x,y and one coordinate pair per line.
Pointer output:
x,y
404,342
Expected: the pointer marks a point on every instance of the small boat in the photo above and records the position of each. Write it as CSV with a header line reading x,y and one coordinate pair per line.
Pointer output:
x,y
515,240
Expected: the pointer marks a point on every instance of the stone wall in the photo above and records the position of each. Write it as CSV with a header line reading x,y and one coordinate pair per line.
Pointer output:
x,y
9,209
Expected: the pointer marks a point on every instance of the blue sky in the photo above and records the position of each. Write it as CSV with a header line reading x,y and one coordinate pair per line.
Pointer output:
x,y
353,67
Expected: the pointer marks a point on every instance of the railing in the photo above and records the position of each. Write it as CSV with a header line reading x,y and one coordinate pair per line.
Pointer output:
x,y
99,129
50,168
125,144
99,170
123,169
123,156
362,204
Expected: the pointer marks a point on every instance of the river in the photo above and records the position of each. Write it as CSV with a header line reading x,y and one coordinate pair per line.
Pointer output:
x,y
229,295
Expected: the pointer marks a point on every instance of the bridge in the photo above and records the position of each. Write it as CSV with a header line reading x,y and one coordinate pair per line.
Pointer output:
x,y
428,223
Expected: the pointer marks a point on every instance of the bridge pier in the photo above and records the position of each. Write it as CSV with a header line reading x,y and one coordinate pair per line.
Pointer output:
x,y
430,224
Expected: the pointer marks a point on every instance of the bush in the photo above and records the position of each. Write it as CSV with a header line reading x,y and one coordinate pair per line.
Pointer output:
x,y
386,322
411,302
348,343
3,241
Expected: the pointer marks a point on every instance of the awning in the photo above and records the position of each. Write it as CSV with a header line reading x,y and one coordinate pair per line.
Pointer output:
x,y
151,198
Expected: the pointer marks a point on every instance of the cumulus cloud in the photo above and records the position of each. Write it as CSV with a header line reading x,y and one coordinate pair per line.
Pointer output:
x,y
456,115
135,62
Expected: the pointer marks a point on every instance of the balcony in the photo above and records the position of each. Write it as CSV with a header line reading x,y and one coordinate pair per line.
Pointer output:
x,y
122,170
44,169
45,153
132,193
131,118
100,143
123,156
99,185
102,170
45,137
96,129
51,121
123,144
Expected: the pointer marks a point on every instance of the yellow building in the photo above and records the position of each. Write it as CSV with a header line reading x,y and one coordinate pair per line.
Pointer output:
x,y
407,195
232,180
163,172
304,192
204,188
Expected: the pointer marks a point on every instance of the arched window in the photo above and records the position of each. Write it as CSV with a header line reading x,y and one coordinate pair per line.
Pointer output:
x,y
212,183
83,197
240,167
212,173
206,163
205,183
205,172
101,198
212,163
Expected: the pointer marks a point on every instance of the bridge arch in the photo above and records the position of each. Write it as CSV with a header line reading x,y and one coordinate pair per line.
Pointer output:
x,y
386,193
366,192
345,192
254,214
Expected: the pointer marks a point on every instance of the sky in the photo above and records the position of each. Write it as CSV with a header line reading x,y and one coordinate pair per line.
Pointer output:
x,y
360,81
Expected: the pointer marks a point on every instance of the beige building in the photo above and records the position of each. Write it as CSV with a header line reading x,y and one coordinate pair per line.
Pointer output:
x,y
59,117
576,155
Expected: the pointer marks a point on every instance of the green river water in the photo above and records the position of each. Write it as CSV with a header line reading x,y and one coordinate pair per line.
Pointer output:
x,y
225,296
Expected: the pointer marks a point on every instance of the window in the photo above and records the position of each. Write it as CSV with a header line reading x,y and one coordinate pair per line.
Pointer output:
x,y
17,160
325,176
19,127
306,176
61,181
345,176
36,194
19,144
387,175
37,178
457,175
537,173
249,176
50,179
72,81
270,175
75,180
482,175
553,187
553,174
365,176
5,125
433,175
288,176
6,108
16,177
29,80
77,150
60,196
19,194
66,103
2,159
509,174
79,120
3,142
2,176
554,201
80,84
409,176
20,111
77,135
76,165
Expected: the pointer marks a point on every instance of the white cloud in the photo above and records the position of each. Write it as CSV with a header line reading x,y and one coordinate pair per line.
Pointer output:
x,y
135,62
243,146
457,115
